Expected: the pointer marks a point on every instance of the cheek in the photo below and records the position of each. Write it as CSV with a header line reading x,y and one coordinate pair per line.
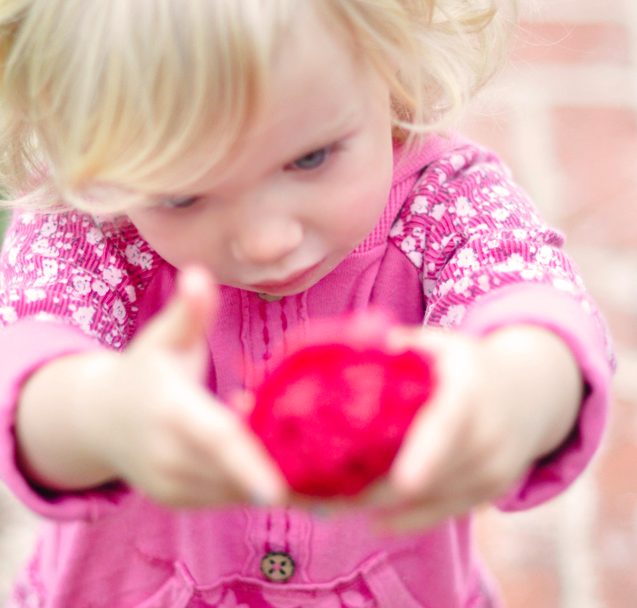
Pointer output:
x,y
363,200
372,179
174,239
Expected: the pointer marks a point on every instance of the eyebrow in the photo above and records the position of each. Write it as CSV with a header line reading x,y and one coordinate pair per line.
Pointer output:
x,y
342,128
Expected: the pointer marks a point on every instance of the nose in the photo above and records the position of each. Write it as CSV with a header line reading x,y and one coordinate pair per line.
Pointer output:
x,y
264,241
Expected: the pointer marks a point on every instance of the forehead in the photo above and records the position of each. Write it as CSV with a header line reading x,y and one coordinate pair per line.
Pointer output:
x,y
316,65
318,91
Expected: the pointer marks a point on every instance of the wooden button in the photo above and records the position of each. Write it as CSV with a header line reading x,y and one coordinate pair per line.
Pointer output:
x,y
277,566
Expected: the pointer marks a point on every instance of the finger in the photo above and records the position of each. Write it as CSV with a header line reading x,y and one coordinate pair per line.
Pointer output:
x,y
479,475
247,462
435,432
401,337
230,445
201,491
380,495
182,323
422,516
243,402
188,488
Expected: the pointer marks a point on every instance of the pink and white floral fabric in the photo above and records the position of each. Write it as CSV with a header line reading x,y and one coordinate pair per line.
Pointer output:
x,y
74,267
470,230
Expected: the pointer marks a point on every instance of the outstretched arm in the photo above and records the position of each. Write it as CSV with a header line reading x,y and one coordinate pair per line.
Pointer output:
x,y
143,416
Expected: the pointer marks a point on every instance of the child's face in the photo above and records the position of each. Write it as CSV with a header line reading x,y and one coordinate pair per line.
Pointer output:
x,y
306,187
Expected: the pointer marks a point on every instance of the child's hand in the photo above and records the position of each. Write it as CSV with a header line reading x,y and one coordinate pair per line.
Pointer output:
x,y
503,402
145,416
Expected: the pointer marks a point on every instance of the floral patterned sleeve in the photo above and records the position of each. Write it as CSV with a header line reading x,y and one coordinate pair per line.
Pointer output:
x,y
72,268
69,283
470,231
486,260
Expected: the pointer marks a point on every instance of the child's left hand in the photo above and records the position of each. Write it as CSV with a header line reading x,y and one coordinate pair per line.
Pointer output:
x,y
502,402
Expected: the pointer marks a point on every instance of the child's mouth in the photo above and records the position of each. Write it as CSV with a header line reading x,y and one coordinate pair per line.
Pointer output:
x,y
294,280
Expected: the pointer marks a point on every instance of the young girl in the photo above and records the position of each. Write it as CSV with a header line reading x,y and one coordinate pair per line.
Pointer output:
x,y
287,149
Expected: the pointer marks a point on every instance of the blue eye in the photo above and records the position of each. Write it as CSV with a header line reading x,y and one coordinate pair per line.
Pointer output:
x,y
313,160
181,203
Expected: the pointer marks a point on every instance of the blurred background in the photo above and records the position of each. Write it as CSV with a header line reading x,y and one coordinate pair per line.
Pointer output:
x,y
564,116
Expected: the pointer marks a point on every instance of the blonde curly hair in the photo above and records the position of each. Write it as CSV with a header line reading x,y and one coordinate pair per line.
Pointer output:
x,y
102,102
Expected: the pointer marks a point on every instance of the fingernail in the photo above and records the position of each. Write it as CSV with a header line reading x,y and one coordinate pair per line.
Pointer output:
x,y
258,500
268,495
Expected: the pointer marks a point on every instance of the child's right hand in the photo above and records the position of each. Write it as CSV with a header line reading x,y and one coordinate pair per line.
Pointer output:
x,y
144,416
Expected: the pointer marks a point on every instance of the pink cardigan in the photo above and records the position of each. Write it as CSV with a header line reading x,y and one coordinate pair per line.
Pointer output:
x,y
458,245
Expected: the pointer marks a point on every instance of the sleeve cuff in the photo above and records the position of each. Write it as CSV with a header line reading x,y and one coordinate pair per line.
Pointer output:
x,y
560,312
28,344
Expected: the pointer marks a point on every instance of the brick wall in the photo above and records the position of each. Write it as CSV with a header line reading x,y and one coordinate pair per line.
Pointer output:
x,y
565,117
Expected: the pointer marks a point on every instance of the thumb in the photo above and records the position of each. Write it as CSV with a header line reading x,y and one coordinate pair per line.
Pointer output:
x,y
184,320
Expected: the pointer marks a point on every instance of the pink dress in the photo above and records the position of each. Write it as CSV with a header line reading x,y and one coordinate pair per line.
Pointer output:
x,y
459,245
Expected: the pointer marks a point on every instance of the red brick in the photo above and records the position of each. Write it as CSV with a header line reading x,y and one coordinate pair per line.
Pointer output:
x,y
597,152
572,43
492,130
616,534
617,481
622,324
577,11
521,557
